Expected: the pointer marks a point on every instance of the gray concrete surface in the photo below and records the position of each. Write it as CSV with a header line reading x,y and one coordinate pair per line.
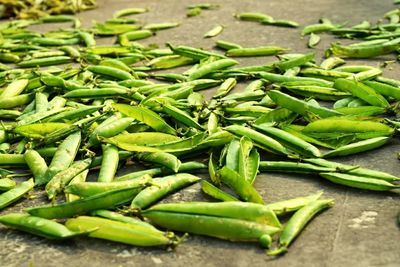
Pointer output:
x,y
360,230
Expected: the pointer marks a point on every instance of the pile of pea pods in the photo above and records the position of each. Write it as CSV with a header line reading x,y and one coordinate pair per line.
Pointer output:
x,y
126,103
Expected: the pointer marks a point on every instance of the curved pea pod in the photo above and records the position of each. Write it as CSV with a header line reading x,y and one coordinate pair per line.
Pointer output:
x,y
233,209
88,189
181,116
215,192
294,62
62,178
238,184
121,232
384,89
165,159
298,221
64,156
39,130
106,200
146,116
155,142
336,127
169,61
294,204
212,170
293,167
360,182
15,193
232,155
261,140
357,147
39,226
354,170
108,130
223,228
299,106
254,16
161,188
361,91
110,72
290,141
6,184
255,51
14,88
211,67
37,165
363,51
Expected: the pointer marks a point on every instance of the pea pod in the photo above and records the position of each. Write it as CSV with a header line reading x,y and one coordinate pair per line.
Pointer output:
x,y
297,222
37,165
109,163
362,91
233,209
211,67
39,130
108,129
358,147
165,159
238,184
161,188
223,228
15,88
120,232
255,51
111,71
15,193
39,226
360,182
88,189
115,216
105,200
181,116
6,184
293,167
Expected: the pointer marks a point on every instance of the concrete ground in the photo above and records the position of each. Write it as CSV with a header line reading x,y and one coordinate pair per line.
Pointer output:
x,y
360,230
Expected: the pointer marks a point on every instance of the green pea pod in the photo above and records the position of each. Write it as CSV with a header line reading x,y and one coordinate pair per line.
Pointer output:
x,y
223,228
214,31
331,62
215,192
238,184
317,92
255,51
291,63
14,88
293,167
193,53
70,115
39,130
109,163
233,209
6,184
169,61
15,101
290,141
354,170
226,45
287,206
211,67
107,200
62,178
165,159
182,116
261,140
336,127
39,226
64,156
146,116
384,89
40,115
108,129
146,142
232,155
12,160
248,159
161,188
299,106
358,147
88,189
16,193
120,232
363,51
47,61
361,91
298,221
362,111
80,178
37,165
360,182
110,71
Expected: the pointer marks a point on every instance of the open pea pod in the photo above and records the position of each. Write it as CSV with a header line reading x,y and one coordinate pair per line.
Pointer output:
x,y
146,116
154,142
248,160
39,130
